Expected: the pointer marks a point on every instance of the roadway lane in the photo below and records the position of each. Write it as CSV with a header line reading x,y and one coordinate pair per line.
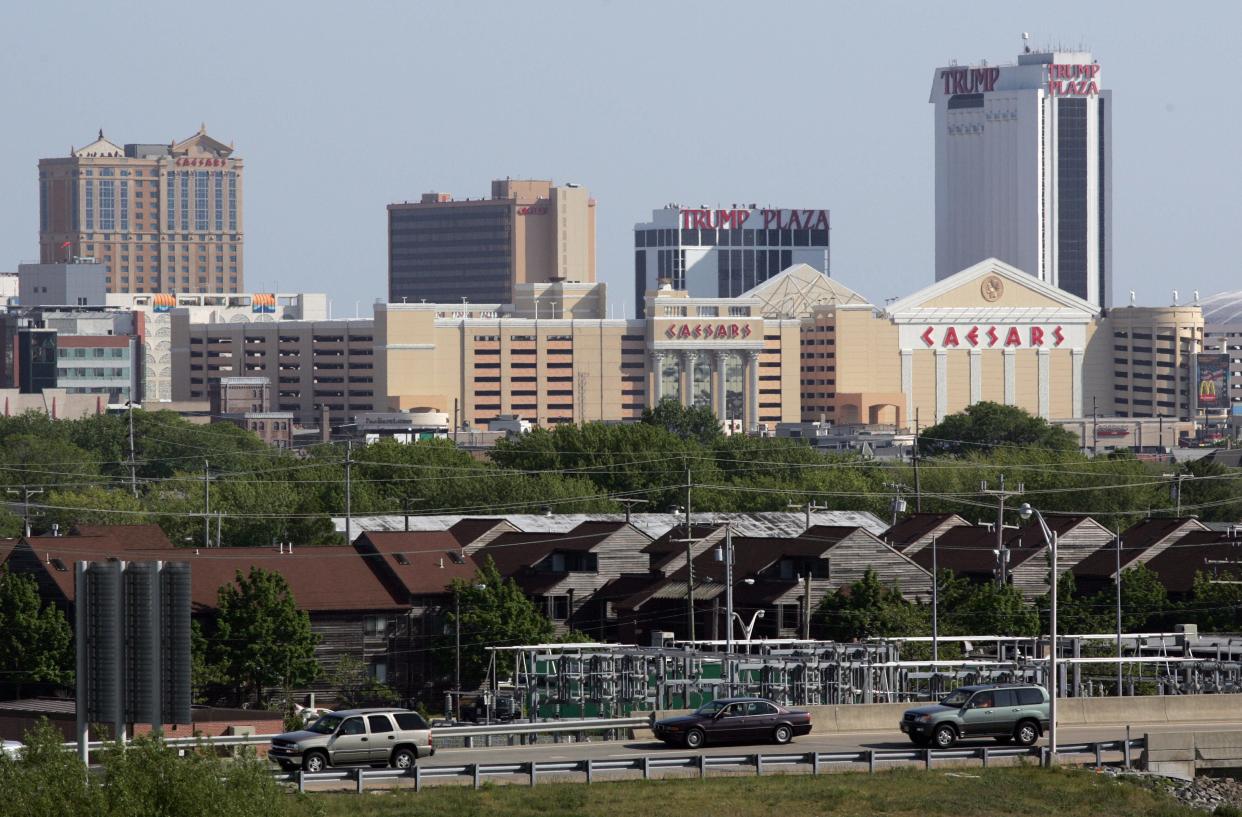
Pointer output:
x,y
888,740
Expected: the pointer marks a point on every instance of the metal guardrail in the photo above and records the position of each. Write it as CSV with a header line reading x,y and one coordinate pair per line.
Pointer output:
x,y
440,732
816,762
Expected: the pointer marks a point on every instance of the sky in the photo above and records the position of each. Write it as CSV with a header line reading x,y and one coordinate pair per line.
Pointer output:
x,y
339,109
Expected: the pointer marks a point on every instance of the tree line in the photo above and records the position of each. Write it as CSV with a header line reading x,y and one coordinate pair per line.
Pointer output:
x,y
81,472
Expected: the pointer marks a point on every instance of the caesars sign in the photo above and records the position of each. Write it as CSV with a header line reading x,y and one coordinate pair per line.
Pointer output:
x,y
1212,377
708,331
767,219
987,337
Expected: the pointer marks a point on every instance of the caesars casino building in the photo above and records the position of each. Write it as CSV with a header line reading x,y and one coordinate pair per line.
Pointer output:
x,y
796,347
724,253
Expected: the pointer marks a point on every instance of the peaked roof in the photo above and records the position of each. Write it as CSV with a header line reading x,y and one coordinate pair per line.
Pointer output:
x,y
917,525
203,143
1007,273
796,291
420,562
101,147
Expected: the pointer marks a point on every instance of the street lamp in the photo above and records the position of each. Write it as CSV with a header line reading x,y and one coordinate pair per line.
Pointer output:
x,y
1026,512
747,629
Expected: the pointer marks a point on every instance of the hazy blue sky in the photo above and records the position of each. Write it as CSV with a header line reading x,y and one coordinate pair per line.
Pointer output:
x,y
341,108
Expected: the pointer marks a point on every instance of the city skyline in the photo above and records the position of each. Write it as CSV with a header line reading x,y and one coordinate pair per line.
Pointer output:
x,y
847,126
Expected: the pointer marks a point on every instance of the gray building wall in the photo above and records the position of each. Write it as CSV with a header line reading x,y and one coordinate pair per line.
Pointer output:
x,y
309,363
77,284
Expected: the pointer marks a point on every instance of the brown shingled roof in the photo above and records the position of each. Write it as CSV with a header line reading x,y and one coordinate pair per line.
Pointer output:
x,y
418,562
915,527
1191,554
320,578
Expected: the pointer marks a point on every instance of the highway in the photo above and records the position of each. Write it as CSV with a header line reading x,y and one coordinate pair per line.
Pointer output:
x,y
888,740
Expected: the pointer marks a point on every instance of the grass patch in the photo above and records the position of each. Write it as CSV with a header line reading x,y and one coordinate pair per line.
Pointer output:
x,y
958,793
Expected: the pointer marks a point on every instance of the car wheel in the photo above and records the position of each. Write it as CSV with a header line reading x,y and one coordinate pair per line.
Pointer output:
x,y
1027,733
694,738
920,740
944,736
403,759
782,735
314,762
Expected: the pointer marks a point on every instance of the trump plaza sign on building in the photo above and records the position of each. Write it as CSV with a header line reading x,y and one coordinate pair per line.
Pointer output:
x,y
766,219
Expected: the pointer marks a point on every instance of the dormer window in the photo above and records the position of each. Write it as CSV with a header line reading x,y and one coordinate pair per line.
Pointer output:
x,y
792,567
571,562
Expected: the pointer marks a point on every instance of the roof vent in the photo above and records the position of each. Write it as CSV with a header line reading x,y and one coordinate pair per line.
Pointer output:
x,y
400,557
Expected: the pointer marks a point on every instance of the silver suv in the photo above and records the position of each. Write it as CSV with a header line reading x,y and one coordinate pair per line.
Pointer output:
x,y
356,737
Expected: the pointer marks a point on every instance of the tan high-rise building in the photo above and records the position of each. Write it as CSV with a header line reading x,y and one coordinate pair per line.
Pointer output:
x,y
442,250
160,218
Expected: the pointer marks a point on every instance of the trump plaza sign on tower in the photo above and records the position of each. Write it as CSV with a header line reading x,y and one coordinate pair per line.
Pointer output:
x,y
767,219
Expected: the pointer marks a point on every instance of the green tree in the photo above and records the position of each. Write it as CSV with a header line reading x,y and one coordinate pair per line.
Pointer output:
x,y
1212,491
494,613
262,639
985,609
48,780
36,644
91,505
1075,613
1145,603
868,608
688,422
987,425
1216,601
355,686
146,777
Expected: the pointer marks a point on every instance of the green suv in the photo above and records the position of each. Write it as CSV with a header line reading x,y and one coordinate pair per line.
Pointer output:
x,y
1006,712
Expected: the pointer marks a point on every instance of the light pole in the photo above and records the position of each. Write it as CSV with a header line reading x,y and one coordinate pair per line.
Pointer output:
x,y
1026,512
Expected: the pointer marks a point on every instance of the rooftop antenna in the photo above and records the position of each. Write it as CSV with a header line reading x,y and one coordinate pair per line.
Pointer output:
x,y
1026,42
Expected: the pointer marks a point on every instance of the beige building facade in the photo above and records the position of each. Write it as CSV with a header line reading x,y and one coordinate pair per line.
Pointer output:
x,y
993,333
485,361
159,217
443,250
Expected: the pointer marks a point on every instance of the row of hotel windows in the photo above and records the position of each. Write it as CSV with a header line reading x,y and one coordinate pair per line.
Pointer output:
x,y
96,352
95,372
671,237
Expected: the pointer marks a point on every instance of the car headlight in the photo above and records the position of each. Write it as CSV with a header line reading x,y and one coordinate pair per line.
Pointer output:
x,y
672,728
924,718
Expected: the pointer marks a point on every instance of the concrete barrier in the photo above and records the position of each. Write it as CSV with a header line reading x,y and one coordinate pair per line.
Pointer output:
x,y
1070,712
1182,754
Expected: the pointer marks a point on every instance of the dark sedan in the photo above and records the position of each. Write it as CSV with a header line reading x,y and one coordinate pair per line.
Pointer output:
x,y
734,720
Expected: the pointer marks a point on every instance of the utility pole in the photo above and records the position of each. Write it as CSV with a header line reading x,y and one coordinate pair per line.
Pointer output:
x,y
133,470
1118,584
25,494
808,507
689,558
629,503
935,606
806,607
1095,428
897,505
1175,485
407,504
728,555
918,485
1002,553
206,504
349,462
